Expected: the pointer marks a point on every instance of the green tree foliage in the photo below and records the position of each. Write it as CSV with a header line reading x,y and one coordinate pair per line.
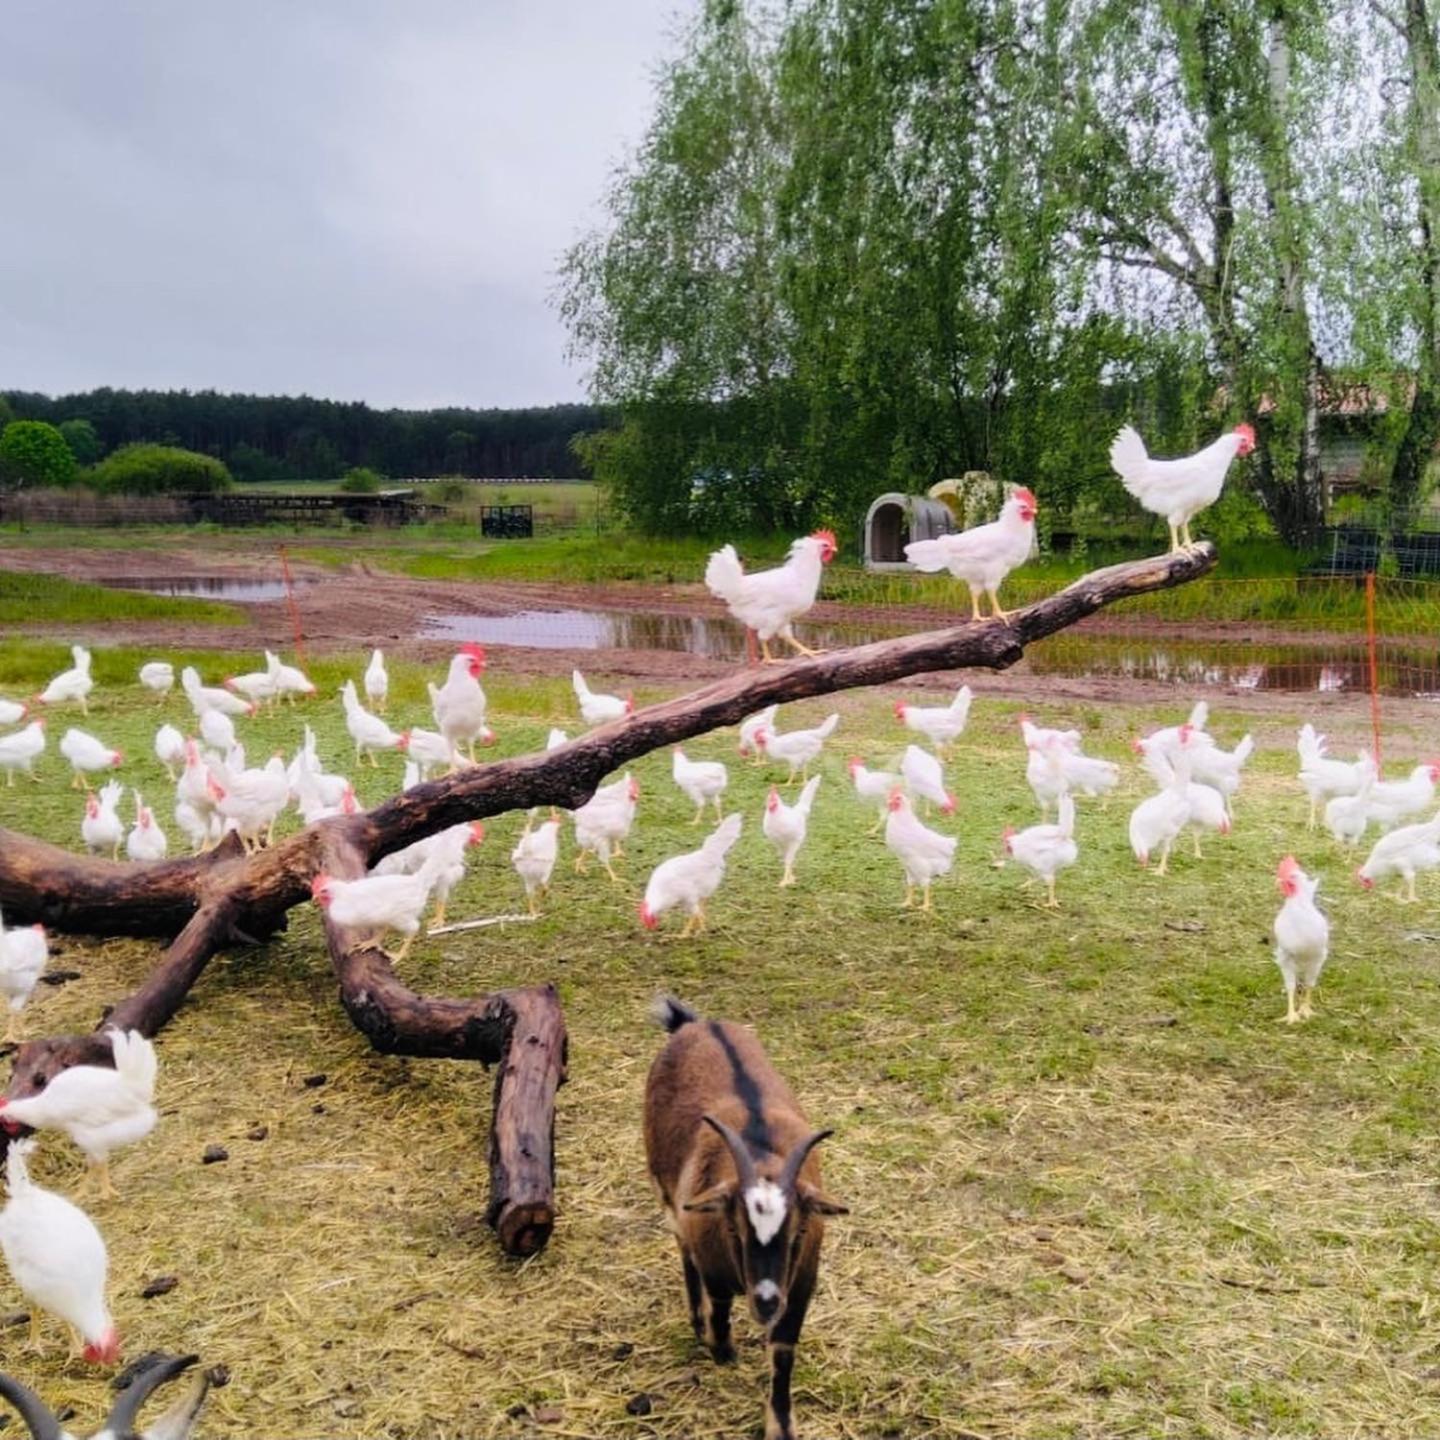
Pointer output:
x,y
361,481
250,465
34,454
158,469
84,443
6,413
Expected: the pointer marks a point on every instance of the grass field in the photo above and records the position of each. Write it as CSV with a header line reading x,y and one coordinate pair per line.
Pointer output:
x,y
30,598
1097,1189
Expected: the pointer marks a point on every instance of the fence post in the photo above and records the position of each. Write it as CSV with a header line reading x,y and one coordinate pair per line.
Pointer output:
x,y
1374,665
290,603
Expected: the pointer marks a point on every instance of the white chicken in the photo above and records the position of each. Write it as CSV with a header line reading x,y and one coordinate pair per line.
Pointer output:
x,y
797,748
429,749
448,848
760,720
1347,815
924,854
211,697
158,676
312,804
1178,490
923,775
1046,850
12,712
102,828
368,731
201,828
378,903
785,825
193,787
87,756
377,681
603,822
985,554
1208,810
329,789
146,840
1392,801
170,749
251,800
873,786
57,1258
101,1109
460,705
1322,777
1302,938
1210,765
1045,774
74,684
690,880
1404,853
1158,820
286,679
1170,741
770,601
24,953
939,724
257,687
534,859
598,709
1038,736
700,781
21,750
217,730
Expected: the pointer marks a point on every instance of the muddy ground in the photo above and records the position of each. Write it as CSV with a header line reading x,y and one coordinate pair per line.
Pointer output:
x,y
356,606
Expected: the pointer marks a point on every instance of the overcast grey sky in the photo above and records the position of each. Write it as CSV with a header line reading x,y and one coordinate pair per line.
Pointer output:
x,y
359,199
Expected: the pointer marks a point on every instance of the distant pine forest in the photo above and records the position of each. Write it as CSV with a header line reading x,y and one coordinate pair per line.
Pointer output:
x,y
281,437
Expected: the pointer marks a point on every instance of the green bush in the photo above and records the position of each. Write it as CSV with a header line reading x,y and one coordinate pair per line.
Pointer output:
x,y
144,469
361,481
84,443
34,454
450,492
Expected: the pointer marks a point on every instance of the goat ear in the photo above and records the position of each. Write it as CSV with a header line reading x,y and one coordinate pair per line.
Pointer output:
x,y
817,1202
708,1202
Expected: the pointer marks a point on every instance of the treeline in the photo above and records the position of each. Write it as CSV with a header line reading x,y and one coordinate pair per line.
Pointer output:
x,y
277,437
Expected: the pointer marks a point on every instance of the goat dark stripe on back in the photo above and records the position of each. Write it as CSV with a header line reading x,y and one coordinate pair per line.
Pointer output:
x,y
756,1133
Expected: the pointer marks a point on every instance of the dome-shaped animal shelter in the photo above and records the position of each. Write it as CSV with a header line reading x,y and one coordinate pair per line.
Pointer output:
x,y
894,520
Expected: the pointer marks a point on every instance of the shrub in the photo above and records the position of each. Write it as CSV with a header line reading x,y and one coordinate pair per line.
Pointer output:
x,y
361,481
144,469
450,492
33,454
84,443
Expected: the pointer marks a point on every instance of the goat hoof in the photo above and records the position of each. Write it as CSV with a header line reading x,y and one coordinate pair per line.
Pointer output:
x,y
723,1354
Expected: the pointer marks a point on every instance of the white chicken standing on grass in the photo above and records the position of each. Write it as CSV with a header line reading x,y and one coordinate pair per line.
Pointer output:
x,y
287,681
700,781
599,709
1392,801
99,1108
170,749
449,846
257,687
1178,490
102,829
21,750
1347,815
785,825
369,732
217,730
24,953
377,681
1159,820
797,748
1302,938
12,712
211,697
690,880
1046,850
769,602
429,749
1323,778
924,854
146,840
534,859
761,720
985,554
57,1258
941,725
873,786
1207,805
74,684
460,705
923,776
158,676
87,756
603,822
1403,853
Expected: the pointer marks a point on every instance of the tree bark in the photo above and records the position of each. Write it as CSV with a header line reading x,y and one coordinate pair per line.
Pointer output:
x,y
210,901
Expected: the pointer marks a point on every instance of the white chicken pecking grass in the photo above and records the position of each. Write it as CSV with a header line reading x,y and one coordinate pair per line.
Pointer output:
x,y
924,776
58,1259
941,725
1046,850
101,1109
146,840
599,709
761,720
377,681
460,704
287,680
796,748
603,823
1392,801
448,850
702,782
874,787
785,826
102,829
1178,490
257,687
534,858
924,854
985,554
211,697
1302,938
1403,853
158,677
251,800
689,880
24,953
769,602
72,685
12,712
21,750
87,756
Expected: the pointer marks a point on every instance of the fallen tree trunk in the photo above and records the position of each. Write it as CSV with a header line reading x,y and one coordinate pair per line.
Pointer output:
x,y
211,901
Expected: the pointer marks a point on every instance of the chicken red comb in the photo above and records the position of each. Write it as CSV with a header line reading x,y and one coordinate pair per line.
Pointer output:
x,y
475,651
1288,866
1025,496
1246,431
826,536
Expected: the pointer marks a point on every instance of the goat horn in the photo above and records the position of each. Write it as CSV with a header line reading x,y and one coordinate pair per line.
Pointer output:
x,y
796,1158
175,1423
126,1410
38,1418
744,1161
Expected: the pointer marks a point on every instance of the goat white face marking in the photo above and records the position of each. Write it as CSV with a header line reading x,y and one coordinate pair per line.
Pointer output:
x,y
765,1203
767,1290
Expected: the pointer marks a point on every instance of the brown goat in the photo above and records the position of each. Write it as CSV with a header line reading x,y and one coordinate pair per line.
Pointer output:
x,y
731,1155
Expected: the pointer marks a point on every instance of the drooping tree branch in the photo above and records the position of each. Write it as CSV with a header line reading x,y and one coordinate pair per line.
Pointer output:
x,y
214,900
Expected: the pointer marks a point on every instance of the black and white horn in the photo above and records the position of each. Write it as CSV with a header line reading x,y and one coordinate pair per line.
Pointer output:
x,y
126,1410
796,1158
37,1415
744,1161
